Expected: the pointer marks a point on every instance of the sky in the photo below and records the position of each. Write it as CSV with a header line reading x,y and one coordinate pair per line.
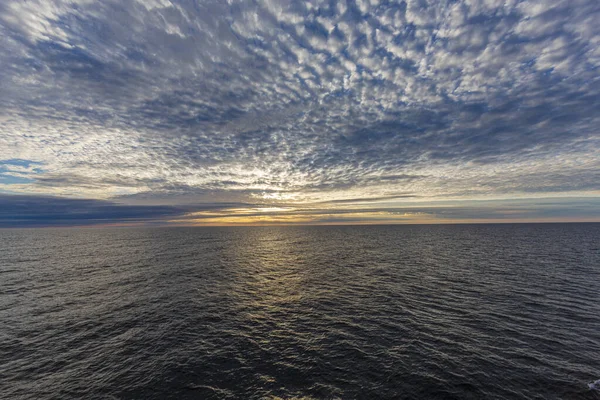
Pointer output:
x,y
235,112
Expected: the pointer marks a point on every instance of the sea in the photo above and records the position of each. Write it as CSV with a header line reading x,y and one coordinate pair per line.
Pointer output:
x,y
504,311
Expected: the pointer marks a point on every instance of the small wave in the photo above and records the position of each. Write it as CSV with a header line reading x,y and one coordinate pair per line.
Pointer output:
x,y
237,318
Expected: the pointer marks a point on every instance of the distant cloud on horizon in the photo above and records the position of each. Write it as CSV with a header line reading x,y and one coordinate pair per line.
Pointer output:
x,y
155,111
46,211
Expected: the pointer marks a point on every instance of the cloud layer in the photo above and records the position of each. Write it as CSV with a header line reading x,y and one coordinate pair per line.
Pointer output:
x,y
40,211
288,103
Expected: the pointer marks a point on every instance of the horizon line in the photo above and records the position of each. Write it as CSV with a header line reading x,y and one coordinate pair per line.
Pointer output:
x,y
355,224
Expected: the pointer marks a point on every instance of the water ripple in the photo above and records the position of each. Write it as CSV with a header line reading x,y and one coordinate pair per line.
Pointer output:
x,y
411,312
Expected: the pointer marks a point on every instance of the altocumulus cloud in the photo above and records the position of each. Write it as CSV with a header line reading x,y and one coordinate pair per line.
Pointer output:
x,y
160,103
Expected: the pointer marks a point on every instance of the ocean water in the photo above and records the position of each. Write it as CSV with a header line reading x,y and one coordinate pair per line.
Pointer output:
x,y
380,312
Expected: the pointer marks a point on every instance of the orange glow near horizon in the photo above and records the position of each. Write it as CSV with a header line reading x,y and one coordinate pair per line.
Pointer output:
x,y
276,216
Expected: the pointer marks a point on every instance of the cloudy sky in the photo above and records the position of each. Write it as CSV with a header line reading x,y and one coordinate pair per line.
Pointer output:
x,y
278,111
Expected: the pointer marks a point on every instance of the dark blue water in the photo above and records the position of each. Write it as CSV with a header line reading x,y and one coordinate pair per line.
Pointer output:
x,y
413,312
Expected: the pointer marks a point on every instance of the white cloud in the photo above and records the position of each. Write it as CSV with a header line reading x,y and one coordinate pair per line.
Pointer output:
x,y
476,98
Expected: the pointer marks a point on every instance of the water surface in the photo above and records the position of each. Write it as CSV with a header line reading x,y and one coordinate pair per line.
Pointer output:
x,y
413,312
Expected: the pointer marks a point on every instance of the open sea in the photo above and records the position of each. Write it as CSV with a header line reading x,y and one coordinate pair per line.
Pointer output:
x,y
373,312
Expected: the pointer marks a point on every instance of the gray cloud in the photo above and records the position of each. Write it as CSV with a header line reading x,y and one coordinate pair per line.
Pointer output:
x,y
282,101
26,211
41,211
